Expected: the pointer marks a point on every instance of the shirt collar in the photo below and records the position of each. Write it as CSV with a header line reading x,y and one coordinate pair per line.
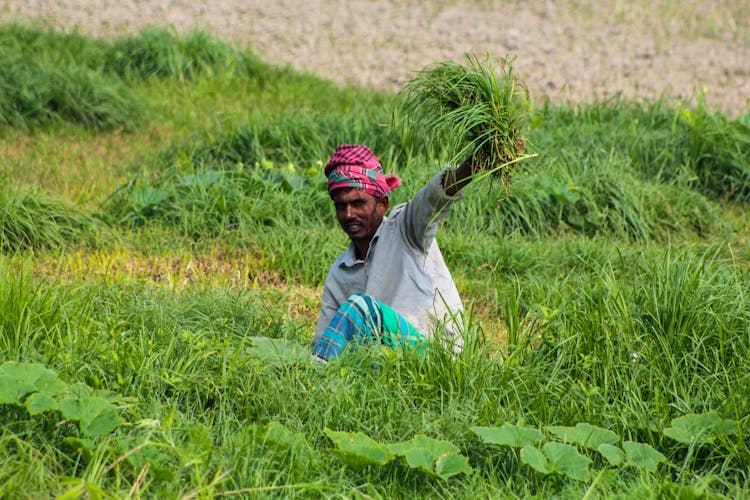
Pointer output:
x,y
350,259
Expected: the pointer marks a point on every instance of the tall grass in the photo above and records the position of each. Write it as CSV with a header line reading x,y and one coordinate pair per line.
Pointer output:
x,y
594,188
48,76
187,360
253,210
156,52
31,219
38,92
588,196
695,148
303,139
712,150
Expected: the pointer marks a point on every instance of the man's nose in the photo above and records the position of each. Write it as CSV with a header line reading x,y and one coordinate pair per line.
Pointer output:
x,y
348,212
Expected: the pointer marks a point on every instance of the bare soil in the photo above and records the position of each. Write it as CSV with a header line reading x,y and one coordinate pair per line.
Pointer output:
x,y
577,51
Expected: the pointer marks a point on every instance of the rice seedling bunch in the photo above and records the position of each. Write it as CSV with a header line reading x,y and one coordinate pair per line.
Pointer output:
x,y
477,110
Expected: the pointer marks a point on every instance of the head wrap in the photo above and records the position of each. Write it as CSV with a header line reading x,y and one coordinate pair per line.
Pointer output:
x,y
355,166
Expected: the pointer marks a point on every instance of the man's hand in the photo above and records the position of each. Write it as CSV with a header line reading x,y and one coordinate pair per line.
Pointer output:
x,y
455,180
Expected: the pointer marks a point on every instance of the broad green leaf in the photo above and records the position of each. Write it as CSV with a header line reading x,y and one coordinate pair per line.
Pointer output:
x,y
418,458
203,179
39,402
279,352
295,181
95,416
586,435
280,435
613,454
422,451
642,455
12,391
566,459
699,428
509,435
451,464
535,459
147,197
19,379
79,390
359,450
436,457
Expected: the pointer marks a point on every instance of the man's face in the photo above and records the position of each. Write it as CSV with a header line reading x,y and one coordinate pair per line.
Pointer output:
x,y
359,213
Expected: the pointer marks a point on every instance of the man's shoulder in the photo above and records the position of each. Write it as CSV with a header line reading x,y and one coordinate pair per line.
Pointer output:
x,y
395,211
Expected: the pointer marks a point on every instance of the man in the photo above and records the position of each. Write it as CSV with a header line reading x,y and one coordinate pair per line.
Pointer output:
x,y
391,285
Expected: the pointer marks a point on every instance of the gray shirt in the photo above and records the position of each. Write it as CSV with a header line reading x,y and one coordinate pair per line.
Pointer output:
x,y
403,267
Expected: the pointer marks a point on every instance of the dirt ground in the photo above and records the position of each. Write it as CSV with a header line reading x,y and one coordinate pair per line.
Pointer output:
x,y
567,50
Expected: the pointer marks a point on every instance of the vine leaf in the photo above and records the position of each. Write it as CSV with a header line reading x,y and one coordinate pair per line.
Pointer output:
x,y
281,436
699,428
435,457
96,416
566,459
535,459
20,379
359,450
279,352
451,464
12,391
39,402
611,453
511,435
583,434
642,455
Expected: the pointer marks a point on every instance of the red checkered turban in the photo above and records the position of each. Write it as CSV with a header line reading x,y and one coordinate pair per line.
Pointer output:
x,y
355,166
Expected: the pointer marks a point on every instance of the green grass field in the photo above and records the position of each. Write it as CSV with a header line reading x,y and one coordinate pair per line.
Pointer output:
x,y
165,232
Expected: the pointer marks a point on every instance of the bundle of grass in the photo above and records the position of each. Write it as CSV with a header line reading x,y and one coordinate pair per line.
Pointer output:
x,y
473,111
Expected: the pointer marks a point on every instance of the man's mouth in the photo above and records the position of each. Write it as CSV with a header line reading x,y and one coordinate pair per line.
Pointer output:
x,y
352,227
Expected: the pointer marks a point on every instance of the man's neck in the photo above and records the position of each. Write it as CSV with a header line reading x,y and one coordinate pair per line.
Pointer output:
x,y
360,249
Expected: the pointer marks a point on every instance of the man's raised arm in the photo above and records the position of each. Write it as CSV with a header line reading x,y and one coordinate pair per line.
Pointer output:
x,y
455,180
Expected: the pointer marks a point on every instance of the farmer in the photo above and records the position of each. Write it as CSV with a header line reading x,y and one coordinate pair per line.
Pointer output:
x,y
391,285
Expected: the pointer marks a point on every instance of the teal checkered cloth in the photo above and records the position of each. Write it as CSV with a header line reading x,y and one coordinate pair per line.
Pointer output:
x,y
362,319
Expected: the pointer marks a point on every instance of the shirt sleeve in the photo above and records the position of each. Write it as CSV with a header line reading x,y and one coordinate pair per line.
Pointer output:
x,y
422,213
